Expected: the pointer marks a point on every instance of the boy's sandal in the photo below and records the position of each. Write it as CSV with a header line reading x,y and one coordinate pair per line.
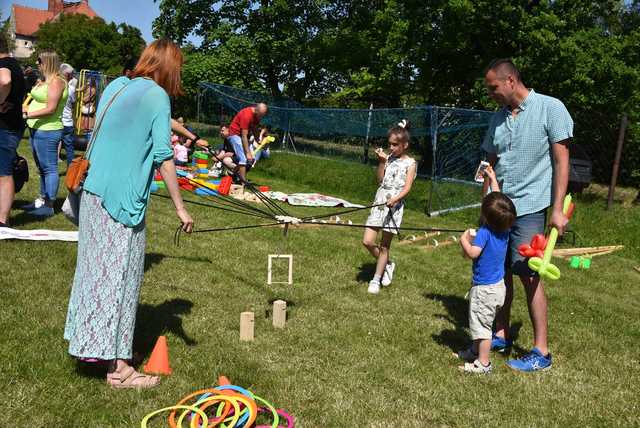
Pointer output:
x,y
129,378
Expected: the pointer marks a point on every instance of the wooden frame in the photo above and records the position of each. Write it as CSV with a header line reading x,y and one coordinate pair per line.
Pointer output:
x,y
270,266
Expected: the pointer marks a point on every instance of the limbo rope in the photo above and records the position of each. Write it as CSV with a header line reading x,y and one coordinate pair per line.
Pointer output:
x,y
280,216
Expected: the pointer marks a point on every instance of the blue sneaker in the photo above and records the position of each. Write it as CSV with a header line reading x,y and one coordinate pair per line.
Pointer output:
x,y
43,211
500,344
532,362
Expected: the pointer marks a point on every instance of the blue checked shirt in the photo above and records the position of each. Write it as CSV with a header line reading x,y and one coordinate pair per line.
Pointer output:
x,y
523,146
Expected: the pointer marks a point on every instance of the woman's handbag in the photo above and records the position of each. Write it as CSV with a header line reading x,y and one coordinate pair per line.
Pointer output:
x,y
76,173
79,167
20,173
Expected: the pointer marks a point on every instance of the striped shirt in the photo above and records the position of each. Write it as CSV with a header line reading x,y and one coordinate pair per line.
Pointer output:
x,y
523,147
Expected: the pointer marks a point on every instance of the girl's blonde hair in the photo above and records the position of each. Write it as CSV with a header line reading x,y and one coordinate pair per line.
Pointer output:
x,y
49,64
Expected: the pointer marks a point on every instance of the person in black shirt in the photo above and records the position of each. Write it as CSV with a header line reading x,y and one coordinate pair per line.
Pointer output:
x,y
30,78
11,125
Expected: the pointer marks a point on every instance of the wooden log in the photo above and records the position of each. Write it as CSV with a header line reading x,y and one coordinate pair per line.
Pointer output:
x,y
247,325
279,313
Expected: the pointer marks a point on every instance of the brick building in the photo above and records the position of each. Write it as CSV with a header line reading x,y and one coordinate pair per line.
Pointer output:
x,y
25,21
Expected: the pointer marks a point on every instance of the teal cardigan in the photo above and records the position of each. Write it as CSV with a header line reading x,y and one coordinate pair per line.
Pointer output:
x,y
133,140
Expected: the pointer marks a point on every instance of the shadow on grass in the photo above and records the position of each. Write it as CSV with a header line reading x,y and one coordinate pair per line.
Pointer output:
x,y
457,314
152,259
151,321
367,270
23,218
157,320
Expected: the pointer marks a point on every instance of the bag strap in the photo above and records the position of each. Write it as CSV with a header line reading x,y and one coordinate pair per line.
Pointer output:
x,y
96,127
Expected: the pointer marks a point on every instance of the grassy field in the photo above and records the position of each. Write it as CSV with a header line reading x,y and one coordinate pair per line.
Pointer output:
x,y
345,358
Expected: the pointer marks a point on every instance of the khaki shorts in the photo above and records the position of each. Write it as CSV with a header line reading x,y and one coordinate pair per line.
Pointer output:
x,y
484,302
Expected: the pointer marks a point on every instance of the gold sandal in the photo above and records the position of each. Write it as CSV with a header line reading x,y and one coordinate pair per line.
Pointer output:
x,y
129,378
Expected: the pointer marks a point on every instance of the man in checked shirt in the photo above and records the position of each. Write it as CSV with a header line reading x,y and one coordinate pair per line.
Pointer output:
x,y
527,145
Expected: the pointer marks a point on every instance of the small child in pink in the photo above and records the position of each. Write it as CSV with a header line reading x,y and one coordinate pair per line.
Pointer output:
x,y
180,152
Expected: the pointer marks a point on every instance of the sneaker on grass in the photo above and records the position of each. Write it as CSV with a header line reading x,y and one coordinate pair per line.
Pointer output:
x,y
43,211
500,344
37,203
387,276
532,362
476,367
467,355
374,287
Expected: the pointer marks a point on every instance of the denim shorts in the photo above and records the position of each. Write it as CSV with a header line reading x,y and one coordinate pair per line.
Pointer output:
x,y
8,145
521,233
236,143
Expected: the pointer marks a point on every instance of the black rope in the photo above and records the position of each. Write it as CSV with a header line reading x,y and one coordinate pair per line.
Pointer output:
x,y
406,229
213,206
342,212
176,236
231,201
272,206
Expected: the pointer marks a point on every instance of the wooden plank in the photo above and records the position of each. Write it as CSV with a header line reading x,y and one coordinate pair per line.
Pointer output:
x,y
247,324
565,252
279,313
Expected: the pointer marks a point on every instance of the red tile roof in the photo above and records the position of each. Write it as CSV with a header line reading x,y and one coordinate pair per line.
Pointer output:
x,y
29,19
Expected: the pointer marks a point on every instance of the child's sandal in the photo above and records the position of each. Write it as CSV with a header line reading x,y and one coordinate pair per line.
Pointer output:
x,y
129,378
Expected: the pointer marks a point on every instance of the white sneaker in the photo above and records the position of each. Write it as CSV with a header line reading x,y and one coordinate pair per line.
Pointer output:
x,y
387,276
476,367
374,287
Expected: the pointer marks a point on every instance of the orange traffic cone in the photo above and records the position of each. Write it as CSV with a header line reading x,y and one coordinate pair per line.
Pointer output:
x,y
223,380
159,361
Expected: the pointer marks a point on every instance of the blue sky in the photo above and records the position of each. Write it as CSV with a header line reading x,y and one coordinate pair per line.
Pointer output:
x,y
139,13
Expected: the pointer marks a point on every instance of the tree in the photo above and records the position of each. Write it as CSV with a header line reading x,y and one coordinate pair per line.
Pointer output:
x,y
283,39
4,32
350,53
91,43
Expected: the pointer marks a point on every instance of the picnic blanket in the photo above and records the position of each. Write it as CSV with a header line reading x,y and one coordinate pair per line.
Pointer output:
x,y
38,234
311,200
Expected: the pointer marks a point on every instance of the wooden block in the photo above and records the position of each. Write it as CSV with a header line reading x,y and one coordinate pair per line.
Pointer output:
x,y
279,313
270,268
246,326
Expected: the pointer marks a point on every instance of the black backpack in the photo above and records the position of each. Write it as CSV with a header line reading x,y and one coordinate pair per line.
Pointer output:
x,y
20,173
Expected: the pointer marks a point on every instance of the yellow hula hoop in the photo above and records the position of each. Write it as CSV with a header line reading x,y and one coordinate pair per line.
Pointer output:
x,y
214,399
202,414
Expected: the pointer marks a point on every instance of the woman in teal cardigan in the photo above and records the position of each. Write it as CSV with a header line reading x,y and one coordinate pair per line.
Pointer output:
x,y
132,139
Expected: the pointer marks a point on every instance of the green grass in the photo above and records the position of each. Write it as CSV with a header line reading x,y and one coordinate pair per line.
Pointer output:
x,y
345,358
